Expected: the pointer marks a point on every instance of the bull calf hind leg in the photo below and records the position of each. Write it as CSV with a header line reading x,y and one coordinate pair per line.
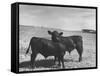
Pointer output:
x,y
55,59
59,61
80,51
33,60
80,56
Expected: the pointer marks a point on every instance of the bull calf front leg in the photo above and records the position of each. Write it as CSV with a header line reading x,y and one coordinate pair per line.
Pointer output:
x,y
62,60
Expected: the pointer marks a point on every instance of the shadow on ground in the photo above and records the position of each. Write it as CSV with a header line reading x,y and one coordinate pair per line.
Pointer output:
x,y
41,63
38,63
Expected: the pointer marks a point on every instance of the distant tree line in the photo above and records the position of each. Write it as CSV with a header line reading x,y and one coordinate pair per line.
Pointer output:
x,y
89,31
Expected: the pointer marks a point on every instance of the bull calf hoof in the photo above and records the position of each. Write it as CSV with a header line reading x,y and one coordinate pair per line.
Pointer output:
x,y
59,64
55,66
32,66
80,59
63,67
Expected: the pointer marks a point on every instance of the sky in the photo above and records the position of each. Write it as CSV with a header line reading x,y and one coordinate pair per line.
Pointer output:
x,y
66,18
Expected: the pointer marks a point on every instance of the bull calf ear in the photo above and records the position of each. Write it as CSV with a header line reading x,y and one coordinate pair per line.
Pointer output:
x,y
49,32
61,33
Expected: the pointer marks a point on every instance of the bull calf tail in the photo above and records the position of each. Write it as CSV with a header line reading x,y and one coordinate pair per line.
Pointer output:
x,y
28,49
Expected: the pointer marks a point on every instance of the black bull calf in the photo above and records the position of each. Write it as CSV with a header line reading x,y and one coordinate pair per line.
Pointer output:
x,y
70,42
46,48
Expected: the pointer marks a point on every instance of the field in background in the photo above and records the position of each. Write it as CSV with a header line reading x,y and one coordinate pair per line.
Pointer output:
x,y
71,61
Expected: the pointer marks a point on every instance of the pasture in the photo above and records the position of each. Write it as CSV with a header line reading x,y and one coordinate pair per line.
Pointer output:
x,y
71,61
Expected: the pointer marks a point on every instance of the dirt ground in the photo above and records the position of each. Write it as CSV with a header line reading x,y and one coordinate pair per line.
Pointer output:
x,y
70,61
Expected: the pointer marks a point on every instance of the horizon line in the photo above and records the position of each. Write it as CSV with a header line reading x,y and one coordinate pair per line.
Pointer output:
x,y
58,28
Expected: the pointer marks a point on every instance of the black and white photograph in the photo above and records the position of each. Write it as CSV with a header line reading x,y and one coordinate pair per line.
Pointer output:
x,y
56,37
